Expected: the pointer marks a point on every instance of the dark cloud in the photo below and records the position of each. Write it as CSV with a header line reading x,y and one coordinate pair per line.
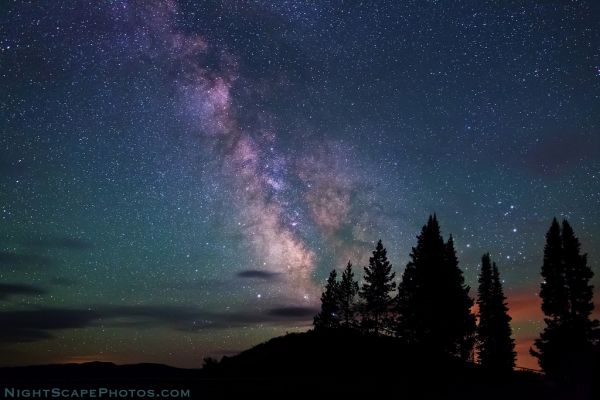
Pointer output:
x,y
62,281
39,324
561,153
16,335
19,260
194,284
59,243
293,312
8,290
176,317
258,274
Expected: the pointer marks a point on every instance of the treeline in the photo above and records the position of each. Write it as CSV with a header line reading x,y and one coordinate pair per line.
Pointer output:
x,y
431,306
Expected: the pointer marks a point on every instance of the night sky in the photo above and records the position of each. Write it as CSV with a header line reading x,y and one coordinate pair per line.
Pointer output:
x,y
178,178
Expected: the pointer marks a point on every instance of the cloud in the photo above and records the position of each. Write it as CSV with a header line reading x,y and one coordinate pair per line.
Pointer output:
x,y
293,312
19,260
176,317
59,243
8,290
62,281
38,324
258,274
558,153
41,323
194,284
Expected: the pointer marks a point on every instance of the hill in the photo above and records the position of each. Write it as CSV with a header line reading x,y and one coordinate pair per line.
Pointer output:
x,y
308,364
353,363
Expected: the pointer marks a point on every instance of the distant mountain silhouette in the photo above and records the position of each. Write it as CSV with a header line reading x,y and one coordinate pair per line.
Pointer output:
x,y
311,364
94,371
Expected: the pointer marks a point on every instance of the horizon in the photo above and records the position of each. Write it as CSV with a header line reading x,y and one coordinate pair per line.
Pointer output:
x,y
177,178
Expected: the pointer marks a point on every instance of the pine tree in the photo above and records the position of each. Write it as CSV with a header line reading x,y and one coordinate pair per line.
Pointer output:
x,y
496,348
329,317
505,344
408,326
376,291
433,303
551,344
414,303
348,290
554,287
580,292
568,340
484,300
458,321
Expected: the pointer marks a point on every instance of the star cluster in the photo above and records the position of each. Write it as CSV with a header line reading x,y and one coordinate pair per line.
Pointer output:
x,y
178,177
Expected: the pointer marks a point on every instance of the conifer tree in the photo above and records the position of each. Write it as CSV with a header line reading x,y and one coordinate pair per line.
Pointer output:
x,y
433,302
408,325
414,303
376,291
484,300
570,336
495,346
550,347
554,287
329,316
580,292
505,356
348,290
457,320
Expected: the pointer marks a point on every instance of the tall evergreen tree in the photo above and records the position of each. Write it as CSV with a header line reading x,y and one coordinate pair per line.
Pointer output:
x,y
348,290
564,347
414,303
555,303
505,355
408,324
580,292
484,300
329,316
376,291
433,302
456,304
495,346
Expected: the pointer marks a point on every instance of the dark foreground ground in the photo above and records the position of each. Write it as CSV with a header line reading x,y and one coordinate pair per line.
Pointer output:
x,y
296,365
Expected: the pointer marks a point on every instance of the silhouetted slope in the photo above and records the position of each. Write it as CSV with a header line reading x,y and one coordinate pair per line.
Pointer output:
x,y
308,364
331,353
353,363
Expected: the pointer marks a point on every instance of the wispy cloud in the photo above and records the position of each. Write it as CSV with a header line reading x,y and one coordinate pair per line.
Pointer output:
x,y
8,290
69,243
258,274
24,261
42,323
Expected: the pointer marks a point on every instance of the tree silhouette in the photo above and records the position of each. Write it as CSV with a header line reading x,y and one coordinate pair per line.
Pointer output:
x,y
329,316
456,304
495,346
581,292
565,346
348,289
409,324
376,291
433,302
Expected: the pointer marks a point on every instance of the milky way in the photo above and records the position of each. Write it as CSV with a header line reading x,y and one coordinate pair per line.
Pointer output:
x,y
255,168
